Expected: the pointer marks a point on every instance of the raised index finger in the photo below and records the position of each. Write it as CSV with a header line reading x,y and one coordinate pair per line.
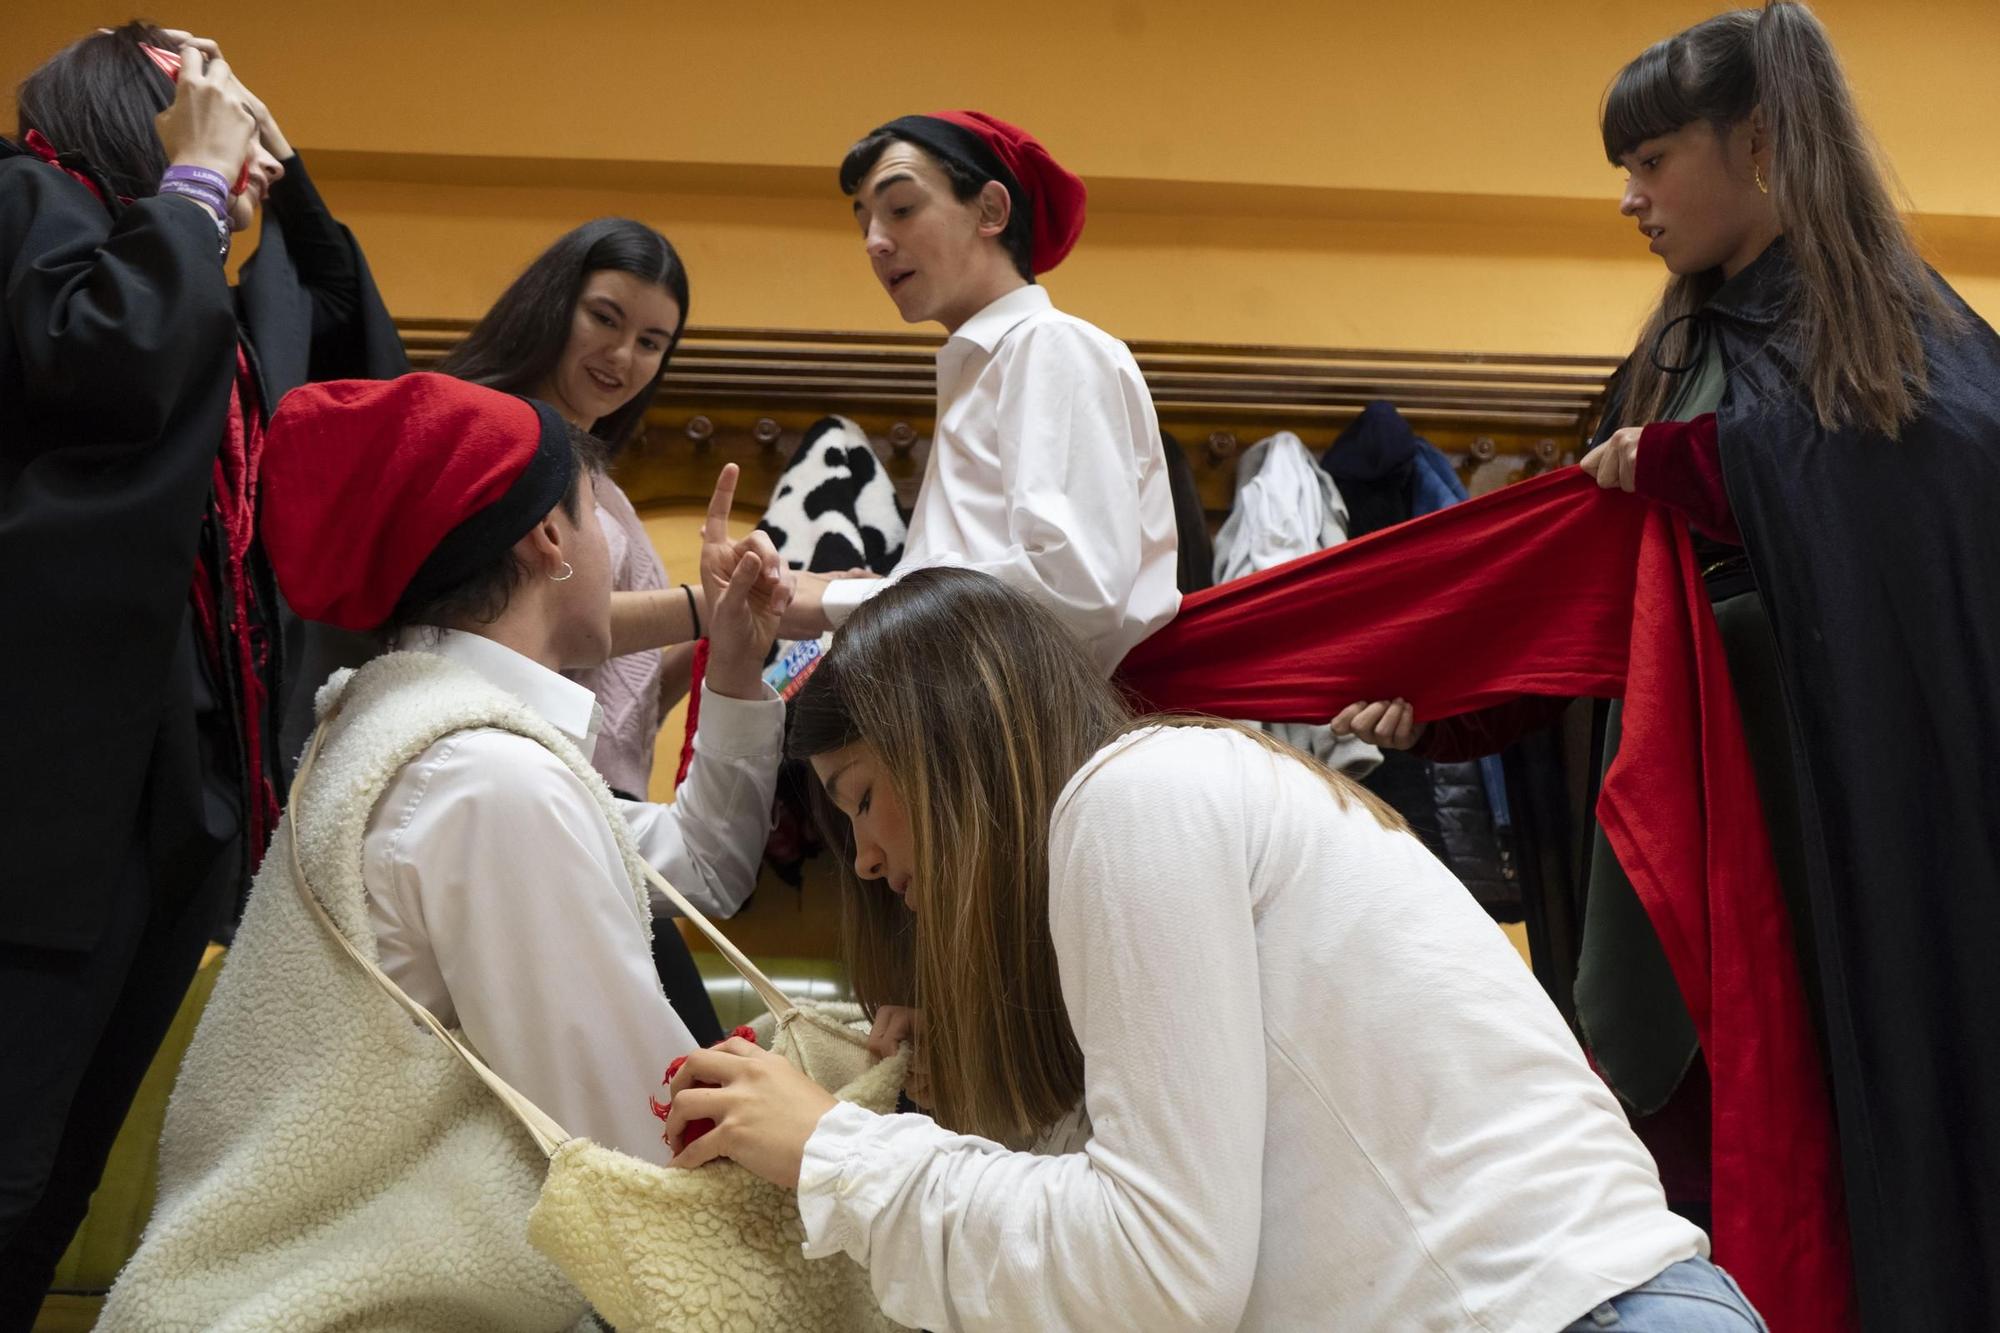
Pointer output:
x,y
716,527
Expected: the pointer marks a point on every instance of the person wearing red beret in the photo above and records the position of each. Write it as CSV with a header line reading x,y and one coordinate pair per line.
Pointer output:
x,y
325,1161
1045,468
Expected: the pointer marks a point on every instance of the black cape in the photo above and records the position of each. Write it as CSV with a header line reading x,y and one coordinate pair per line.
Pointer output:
x,y
116,361
310,308
1879,565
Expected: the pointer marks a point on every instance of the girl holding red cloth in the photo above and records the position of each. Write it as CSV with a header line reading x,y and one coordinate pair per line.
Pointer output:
x,y
1825,413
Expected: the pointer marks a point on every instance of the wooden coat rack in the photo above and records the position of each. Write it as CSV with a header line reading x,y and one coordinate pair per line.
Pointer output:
x,y
748,395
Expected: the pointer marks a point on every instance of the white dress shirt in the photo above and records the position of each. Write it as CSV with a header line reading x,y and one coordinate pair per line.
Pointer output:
x,y
1323,1093
500,900
1045,471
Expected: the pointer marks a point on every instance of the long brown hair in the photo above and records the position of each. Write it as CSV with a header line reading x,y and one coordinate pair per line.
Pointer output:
x,y
982,707
97,98
1863,294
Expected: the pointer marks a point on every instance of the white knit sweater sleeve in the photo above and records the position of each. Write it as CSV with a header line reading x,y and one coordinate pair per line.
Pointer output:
x,y
1155,1224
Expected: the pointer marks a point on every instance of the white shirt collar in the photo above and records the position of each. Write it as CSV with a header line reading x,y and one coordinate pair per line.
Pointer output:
x,y
565,705
985,329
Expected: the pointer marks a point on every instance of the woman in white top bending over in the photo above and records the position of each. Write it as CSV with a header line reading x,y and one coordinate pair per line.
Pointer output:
x,y
1317,1088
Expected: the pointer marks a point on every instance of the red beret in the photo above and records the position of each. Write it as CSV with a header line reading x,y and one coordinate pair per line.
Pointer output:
x,y
1055,194
1052,196
377,492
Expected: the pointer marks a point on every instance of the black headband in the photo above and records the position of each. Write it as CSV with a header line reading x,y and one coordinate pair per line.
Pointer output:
x,y
491,532
956,144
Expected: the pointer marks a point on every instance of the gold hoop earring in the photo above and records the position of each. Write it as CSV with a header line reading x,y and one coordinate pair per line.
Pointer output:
x,y
565,576
1757,172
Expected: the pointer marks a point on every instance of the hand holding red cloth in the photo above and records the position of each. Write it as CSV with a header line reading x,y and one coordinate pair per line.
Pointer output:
x,y
661,1110
1555,588
1679,464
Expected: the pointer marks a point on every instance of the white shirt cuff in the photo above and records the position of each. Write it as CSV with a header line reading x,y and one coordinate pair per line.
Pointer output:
x,y
824,1184
843,595
730,728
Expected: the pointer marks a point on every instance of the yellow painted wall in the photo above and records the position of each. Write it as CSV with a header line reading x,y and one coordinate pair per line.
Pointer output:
x,y
1325,172
1329,173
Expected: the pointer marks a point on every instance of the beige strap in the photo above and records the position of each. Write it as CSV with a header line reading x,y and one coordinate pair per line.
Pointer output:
x,y
548,1135
774,999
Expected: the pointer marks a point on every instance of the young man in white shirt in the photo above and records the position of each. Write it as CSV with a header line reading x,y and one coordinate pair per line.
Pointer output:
x,y
495,885
1045,468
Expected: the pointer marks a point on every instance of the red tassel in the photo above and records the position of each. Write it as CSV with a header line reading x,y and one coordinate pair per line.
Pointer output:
x,y
695,1128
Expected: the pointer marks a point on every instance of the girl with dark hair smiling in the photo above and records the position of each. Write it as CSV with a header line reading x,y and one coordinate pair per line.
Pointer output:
x,y
590,328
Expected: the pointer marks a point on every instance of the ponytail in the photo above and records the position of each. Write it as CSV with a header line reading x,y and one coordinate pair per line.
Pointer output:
x,y
1863,296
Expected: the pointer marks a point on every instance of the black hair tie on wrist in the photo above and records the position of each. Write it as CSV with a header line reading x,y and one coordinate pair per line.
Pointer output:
x,y
694,615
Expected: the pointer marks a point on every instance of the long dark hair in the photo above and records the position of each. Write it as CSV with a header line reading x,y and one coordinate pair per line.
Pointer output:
x,y
1863,294
97,98
517,345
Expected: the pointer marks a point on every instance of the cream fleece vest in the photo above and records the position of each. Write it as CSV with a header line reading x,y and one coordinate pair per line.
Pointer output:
x,y
326,1163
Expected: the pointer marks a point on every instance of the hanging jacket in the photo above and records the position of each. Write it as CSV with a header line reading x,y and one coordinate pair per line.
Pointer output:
x,y
1434,485
1390,475
1287,507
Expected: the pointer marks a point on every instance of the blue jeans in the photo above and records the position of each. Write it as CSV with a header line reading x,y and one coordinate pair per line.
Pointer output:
x,y
1694,1296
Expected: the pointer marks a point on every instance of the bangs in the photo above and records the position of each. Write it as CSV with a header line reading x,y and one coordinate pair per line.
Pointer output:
x,y
861,158
1645,101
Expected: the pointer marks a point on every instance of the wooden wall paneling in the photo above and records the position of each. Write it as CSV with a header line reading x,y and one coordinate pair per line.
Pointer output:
x,y
748,395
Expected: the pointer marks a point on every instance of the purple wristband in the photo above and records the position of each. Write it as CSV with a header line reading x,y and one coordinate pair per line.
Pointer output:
x,y
213,200
198,175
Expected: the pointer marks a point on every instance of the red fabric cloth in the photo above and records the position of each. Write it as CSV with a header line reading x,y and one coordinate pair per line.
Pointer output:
x,y
1055,194
695,1128
235,641
697,671
367,477
1455,740
1679,464
36,143
1556,588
